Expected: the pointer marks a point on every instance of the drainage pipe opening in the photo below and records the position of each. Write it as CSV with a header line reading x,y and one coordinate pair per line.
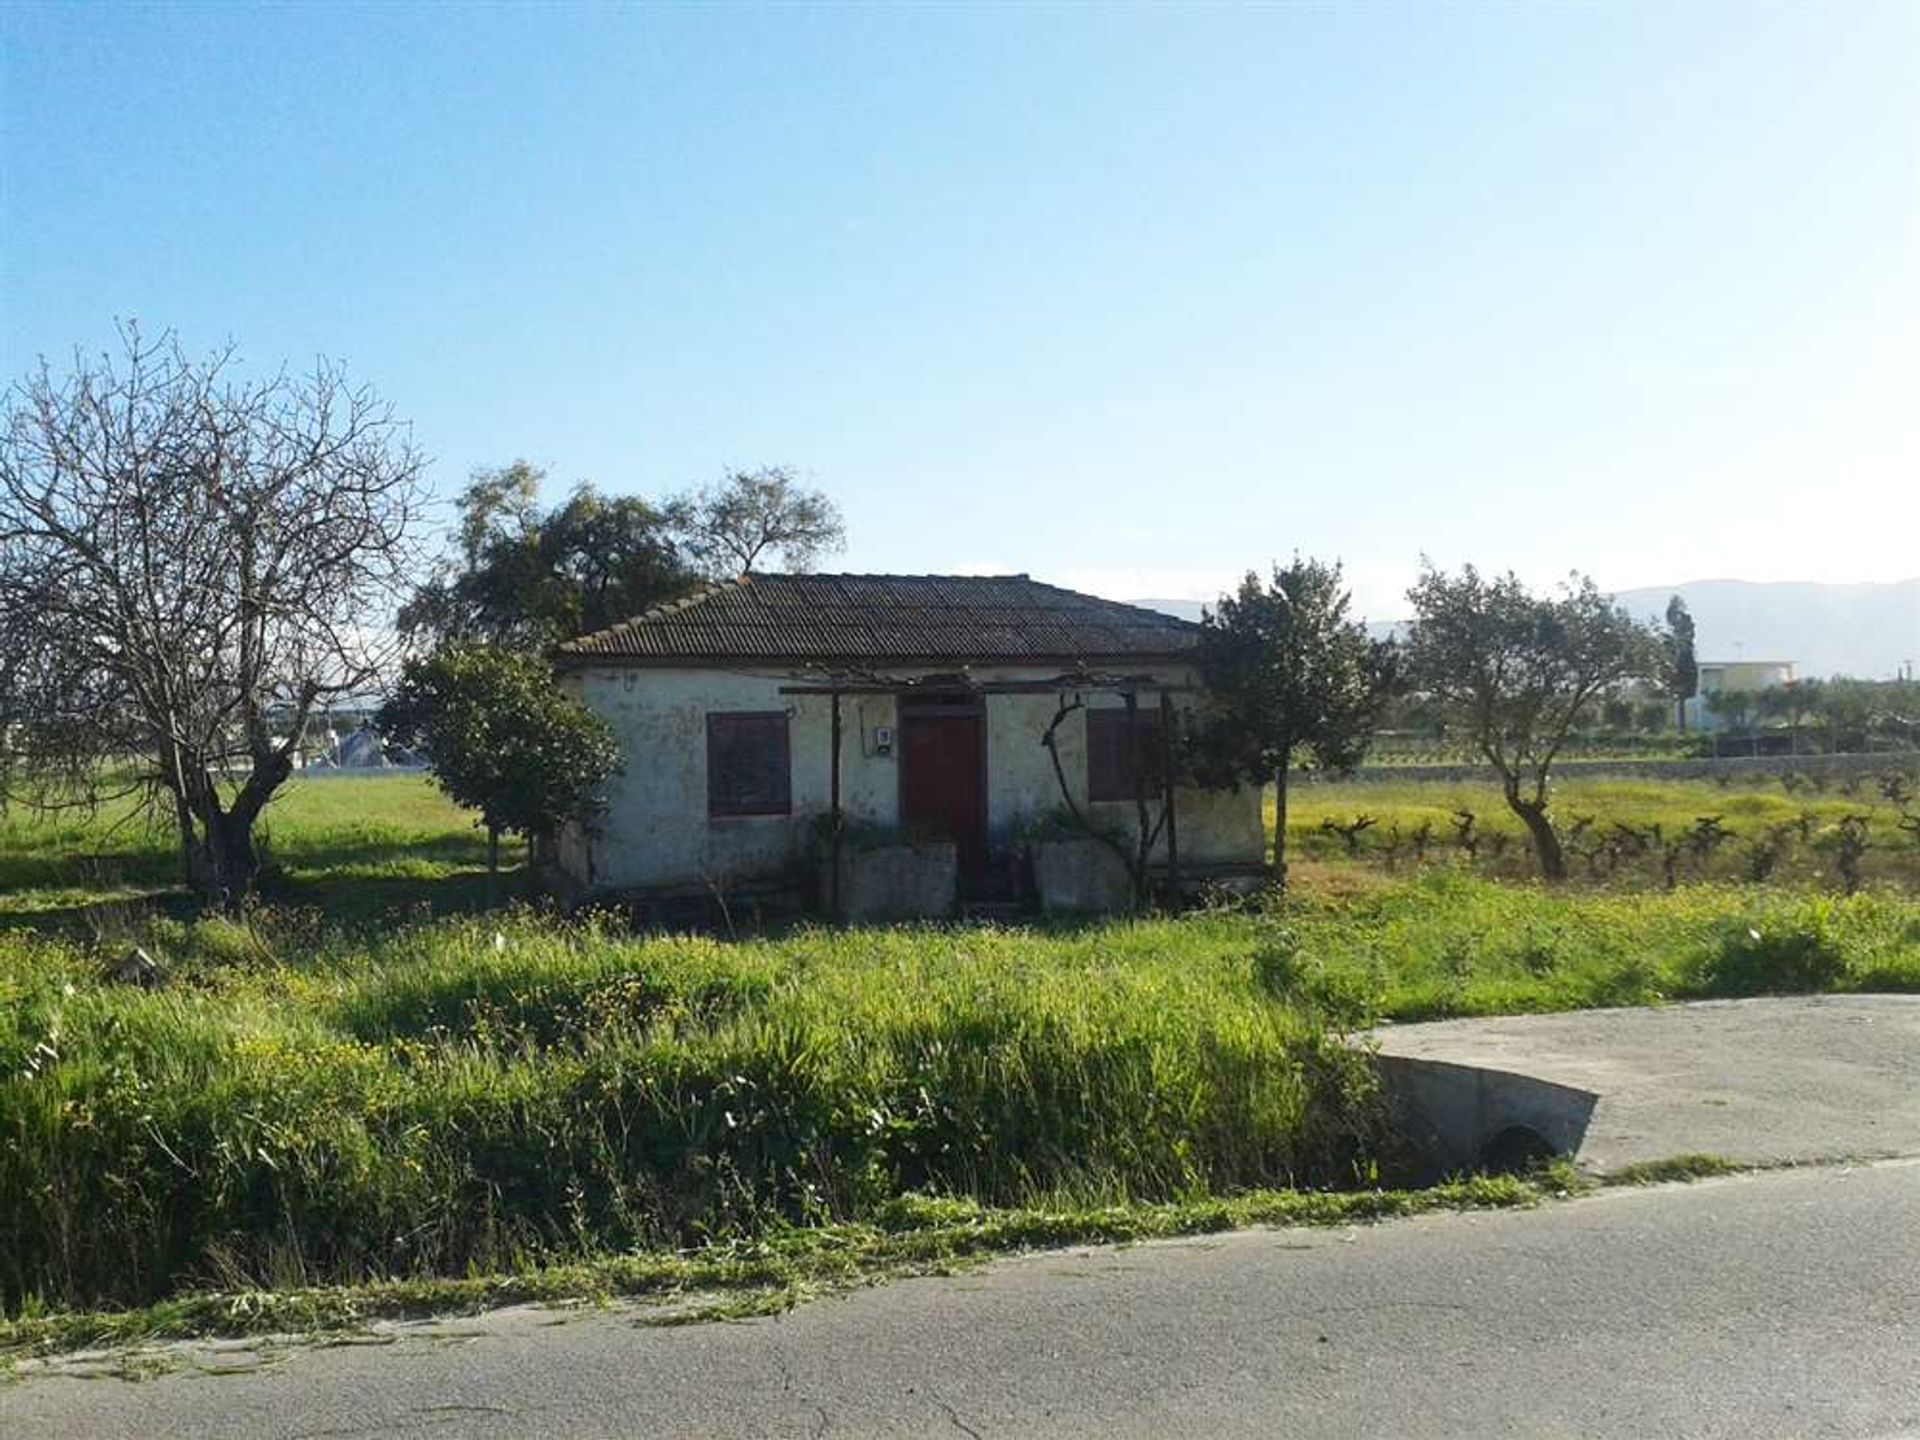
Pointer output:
x,y
1515,1150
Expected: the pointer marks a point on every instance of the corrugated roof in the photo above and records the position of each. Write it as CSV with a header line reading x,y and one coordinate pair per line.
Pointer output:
x,y
860,619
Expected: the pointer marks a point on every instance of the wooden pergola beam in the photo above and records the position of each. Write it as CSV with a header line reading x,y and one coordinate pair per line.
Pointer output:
x,y
1116,683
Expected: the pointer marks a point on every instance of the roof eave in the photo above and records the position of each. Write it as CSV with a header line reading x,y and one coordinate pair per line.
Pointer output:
x,y
570,659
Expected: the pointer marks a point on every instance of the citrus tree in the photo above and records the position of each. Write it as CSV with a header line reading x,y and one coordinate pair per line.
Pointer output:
x,y
502,738
1290,679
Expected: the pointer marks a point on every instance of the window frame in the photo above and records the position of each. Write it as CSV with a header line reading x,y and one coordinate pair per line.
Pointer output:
x,y
720,809
1105,752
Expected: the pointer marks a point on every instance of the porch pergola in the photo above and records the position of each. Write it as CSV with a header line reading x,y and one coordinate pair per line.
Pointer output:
x,y
1076,683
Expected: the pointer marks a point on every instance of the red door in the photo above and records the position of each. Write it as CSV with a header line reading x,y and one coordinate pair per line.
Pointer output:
x,y
943,782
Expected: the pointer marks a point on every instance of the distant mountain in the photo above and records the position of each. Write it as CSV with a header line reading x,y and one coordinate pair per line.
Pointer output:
x,y
1190,610
1861,629
1866,630
1181,609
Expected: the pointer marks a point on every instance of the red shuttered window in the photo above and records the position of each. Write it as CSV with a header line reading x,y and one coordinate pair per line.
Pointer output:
x,y
748,766
1112,764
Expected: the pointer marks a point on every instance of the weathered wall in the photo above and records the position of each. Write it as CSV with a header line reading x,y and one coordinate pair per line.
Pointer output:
x,y
1216,827
656,830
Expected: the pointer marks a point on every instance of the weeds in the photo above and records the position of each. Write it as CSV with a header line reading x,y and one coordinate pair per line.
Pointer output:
x,y
297,1104
468,1095
305,1100
1802,957
914,1234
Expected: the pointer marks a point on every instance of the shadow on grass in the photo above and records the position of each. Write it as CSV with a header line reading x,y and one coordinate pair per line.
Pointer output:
x,y
146,862
349,899
344,899
63,869
358,852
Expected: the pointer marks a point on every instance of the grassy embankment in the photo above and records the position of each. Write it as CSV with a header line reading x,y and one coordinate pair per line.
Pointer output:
x,y
308,1107
463,1109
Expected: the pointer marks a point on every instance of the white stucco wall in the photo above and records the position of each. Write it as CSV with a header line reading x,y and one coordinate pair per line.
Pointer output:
x,y
656,831
1736,676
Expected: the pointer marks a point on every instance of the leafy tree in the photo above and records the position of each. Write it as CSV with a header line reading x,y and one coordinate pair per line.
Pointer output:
x,y
188,564
1290,678
525,578
502,738
1795,702
1736,710
1846,714
611,558
1651,716
1897,712
1415,714
1682,668
1514,670
750,514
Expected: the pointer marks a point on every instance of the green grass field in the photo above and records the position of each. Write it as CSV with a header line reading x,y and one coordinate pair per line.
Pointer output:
x,y
361,847
351,845
311,1098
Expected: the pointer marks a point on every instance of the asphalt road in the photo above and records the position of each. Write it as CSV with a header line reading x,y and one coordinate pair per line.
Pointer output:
x,y
1779,1304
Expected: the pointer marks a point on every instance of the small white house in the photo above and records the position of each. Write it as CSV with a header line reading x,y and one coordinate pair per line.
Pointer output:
x,y
1722,677
773,723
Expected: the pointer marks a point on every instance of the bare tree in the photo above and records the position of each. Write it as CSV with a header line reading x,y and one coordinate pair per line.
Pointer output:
x,y
191,565
752,513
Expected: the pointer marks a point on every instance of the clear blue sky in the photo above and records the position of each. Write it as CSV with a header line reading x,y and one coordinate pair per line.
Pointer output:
x,y
1132,298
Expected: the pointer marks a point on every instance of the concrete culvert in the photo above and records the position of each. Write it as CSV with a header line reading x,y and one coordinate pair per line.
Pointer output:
x,y
1515,1150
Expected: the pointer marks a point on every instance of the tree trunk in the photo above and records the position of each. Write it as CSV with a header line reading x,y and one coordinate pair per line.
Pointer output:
x,y
1546,840
1280,822
493,866
239,864
221,861
183,819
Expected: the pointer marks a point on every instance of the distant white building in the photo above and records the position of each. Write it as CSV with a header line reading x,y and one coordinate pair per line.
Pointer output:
x,y
1740,676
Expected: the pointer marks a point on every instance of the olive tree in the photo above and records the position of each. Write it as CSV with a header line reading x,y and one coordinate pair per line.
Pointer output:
x,y
1514,671
1289,678
192,565
751,514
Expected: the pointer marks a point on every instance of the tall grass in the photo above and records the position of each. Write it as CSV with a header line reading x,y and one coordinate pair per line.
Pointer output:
x,y
1452,944
460,1098
302,1103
